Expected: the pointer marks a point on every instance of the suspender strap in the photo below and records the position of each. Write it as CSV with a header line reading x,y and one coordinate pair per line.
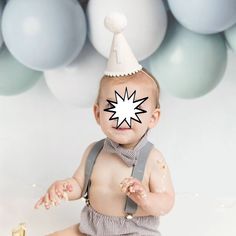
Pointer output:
x,y
89,165
138,172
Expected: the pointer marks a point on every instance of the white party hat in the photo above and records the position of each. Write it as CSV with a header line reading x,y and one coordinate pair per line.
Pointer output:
x,y
121,60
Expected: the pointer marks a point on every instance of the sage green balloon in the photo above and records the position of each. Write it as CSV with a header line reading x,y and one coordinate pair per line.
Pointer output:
x,y
188,64
15,78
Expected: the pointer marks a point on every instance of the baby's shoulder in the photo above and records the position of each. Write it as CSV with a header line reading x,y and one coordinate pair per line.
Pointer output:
x,y
88,149
155,156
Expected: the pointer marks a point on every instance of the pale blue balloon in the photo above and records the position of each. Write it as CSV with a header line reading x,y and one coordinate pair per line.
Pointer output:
x,y
15,78
189,65
230,35
45,34
204,16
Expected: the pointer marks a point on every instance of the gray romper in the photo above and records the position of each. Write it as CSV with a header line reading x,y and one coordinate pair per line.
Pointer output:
x,y
94,223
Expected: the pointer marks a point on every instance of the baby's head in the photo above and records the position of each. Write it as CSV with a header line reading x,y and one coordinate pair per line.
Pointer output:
x,y
146,90
127,105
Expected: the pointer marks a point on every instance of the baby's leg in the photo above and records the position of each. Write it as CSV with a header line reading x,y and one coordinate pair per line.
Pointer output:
x,y
71,231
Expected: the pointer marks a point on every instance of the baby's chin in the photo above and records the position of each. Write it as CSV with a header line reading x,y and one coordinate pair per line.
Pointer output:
x,y
124,141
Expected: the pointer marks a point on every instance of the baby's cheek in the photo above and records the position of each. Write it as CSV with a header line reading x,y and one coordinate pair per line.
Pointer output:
x,y
144,120
106,116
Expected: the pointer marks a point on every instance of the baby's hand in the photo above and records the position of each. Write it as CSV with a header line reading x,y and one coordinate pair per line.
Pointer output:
x,y
134,190
56,192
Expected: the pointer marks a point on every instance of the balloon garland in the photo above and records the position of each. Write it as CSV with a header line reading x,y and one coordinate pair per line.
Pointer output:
x,y
187,54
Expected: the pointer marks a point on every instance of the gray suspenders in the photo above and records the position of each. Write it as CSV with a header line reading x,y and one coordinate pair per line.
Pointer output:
x,y
92,156
138,172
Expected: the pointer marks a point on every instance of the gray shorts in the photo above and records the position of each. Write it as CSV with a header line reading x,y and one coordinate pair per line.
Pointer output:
x,y
93,223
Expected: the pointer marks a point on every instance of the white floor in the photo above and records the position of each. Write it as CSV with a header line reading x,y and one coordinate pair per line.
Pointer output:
x,y
193,215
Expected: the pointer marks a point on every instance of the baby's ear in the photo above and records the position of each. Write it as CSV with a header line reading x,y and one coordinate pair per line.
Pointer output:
x,y
96,113
154,118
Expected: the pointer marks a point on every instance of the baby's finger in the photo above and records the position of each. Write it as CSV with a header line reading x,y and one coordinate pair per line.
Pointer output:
x,y
47,201
138,189
57,200
64,191
128,183
126,189
59,191
135,187
65,196
51,193
125,180
53,196
39,202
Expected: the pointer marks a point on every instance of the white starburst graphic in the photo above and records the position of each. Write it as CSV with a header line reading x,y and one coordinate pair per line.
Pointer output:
x,y
125,108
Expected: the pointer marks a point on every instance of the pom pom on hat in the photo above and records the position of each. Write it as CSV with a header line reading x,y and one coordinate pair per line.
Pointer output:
x,y
115,22
121,60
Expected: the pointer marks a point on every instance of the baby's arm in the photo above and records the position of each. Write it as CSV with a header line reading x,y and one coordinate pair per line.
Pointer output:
x,y
160,199
68,189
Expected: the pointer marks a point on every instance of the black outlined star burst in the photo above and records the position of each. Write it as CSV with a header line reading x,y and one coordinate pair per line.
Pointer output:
x,y
125,109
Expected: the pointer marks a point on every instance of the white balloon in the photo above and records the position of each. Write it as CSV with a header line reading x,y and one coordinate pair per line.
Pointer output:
x,y
145,30
78,83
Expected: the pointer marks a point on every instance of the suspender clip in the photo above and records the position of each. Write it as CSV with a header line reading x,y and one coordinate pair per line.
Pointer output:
x,y
129,216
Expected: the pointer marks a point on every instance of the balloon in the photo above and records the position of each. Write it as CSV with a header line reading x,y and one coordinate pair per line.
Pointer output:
x,y
145,30
166,5
145,64
189,65
203,16
15,78
77,84
230,35
1,9
44,34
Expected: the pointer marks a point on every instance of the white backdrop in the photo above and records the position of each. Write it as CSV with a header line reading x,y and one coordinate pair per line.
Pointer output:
x,y
42,140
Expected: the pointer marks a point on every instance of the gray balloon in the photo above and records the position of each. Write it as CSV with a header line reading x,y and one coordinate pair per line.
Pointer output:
x,y
1,9
44,34
230,35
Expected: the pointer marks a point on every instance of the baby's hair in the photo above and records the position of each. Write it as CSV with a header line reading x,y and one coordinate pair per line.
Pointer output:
x,y
123,79
145,71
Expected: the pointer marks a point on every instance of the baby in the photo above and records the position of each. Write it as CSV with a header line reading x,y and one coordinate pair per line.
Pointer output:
x,y
124,178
